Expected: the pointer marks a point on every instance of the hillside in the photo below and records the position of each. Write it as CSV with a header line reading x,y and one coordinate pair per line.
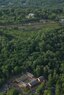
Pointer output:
x,y
32,3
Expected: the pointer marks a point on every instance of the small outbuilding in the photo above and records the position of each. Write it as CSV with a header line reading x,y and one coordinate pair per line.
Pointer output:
x,y
30,15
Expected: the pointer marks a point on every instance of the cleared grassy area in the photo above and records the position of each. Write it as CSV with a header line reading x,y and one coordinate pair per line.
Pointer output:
x,y
32,27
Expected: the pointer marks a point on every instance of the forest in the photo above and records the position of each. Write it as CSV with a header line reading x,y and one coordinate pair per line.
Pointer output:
x,y
40,52
32,3
15,16
36,48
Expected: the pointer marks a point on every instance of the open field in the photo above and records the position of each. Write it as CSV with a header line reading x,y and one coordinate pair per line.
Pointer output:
x,y
32,26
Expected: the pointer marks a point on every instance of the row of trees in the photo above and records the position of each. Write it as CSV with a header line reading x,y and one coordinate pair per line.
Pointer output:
x,y
15,16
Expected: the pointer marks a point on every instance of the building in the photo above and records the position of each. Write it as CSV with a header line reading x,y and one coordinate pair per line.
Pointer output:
x,y
30,15
28,80
30,75
22,84
33,83
41,79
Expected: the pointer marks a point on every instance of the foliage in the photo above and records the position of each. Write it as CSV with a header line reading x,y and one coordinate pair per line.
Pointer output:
x,y
32,3
40,52
15,16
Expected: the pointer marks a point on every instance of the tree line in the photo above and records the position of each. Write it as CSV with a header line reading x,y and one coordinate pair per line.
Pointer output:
x,y
18,15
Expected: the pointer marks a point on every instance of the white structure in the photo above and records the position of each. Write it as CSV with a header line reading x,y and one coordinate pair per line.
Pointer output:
x,y
30,15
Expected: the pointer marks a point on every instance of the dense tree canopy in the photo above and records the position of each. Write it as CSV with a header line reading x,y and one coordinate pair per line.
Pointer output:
x,y
17,16
32,3
37,46
40,52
